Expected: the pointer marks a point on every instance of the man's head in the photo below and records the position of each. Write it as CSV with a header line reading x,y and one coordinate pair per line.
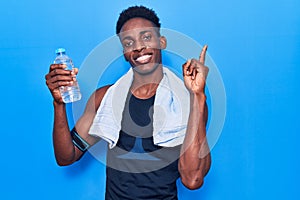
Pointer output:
x,y
137,12
138,30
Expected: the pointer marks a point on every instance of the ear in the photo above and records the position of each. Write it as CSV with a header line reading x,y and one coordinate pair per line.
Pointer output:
x,y
163,42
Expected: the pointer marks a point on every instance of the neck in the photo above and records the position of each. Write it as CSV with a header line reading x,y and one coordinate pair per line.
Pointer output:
x,y
144,86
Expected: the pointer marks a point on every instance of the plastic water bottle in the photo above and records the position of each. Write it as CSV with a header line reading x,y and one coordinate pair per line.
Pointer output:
x,y
68,93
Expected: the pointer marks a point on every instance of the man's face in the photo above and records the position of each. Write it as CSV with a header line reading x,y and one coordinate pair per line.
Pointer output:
x,y
142,45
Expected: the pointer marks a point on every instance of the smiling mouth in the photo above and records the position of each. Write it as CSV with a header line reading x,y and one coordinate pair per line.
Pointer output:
x,y
143,59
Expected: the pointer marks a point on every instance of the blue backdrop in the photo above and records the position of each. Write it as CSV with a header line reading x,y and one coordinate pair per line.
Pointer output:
x,y
255,44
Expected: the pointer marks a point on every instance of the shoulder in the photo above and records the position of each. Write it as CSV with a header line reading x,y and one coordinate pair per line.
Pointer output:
x,y
100,92
96,98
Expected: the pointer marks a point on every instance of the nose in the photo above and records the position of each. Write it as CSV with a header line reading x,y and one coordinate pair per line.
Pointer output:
x,y
139,45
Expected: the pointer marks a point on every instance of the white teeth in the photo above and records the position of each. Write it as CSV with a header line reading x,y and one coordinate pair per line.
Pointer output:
x,y
143,58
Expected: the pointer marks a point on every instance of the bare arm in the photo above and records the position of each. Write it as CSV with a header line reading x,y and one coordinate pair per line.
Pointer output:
x,y
65,152
195,159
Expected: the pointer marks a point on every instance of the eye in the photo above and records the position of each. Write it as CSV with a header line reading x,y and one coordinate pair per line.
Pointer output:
x,y
146,37
128,43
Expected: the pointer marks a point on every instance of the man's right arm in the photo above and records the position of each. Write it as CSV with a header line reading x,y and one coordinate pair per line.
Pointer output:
x,y
65,151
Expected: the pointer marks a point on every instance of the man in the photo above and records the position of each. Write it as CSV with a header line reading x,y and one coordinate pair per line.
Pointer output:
x,y
140,163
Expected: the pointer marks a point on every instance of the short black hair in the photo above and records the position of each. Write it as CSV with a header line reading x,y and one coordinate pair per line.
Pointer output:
x,y
137,11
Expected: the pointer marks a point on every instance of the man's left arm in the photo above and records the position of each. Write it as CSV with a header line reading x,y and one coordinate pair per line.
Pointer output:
x,y
195,160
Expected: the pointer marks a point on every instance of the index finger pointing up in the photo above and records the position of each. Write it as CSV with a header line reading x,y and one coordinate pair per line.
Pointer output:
x,y
203,54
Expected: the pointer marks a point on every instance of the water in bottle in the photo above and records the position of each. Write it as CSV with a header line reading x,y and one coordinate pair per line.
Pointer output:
x,y
69,93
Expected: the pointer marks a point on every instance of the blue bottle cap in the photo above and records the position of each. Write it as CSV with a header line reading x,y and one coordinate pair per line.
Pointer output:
x,y
60,50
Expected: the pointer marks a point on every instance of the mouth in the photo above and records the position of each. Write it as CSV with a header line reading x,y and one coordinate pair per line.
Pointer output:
x,y
143,59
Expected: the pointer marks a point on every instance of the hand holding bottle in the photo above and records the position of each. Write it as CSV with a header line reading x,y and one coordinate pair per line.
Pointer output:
x,y
61,79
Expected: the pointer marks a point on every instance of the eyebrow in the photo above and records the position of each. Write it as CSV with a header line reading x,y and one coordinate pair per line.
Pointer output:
x,y
141,33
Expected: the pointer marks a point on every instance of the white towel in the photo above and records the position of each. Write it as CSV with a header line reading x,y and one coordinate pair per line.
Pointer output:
x,y
170,116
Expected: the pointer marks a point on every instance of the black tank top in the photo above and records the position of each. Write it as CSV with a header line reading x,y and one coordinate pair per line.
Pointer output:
x,y
137,169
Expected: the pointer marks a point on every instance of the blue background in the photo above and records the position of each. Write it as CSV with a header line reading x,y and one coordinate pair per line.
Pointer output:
x,y
255,44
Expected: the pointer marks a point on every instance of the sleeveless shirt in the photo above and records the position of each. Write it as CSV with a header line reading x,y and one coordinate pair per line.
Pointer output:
x,y
136,168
